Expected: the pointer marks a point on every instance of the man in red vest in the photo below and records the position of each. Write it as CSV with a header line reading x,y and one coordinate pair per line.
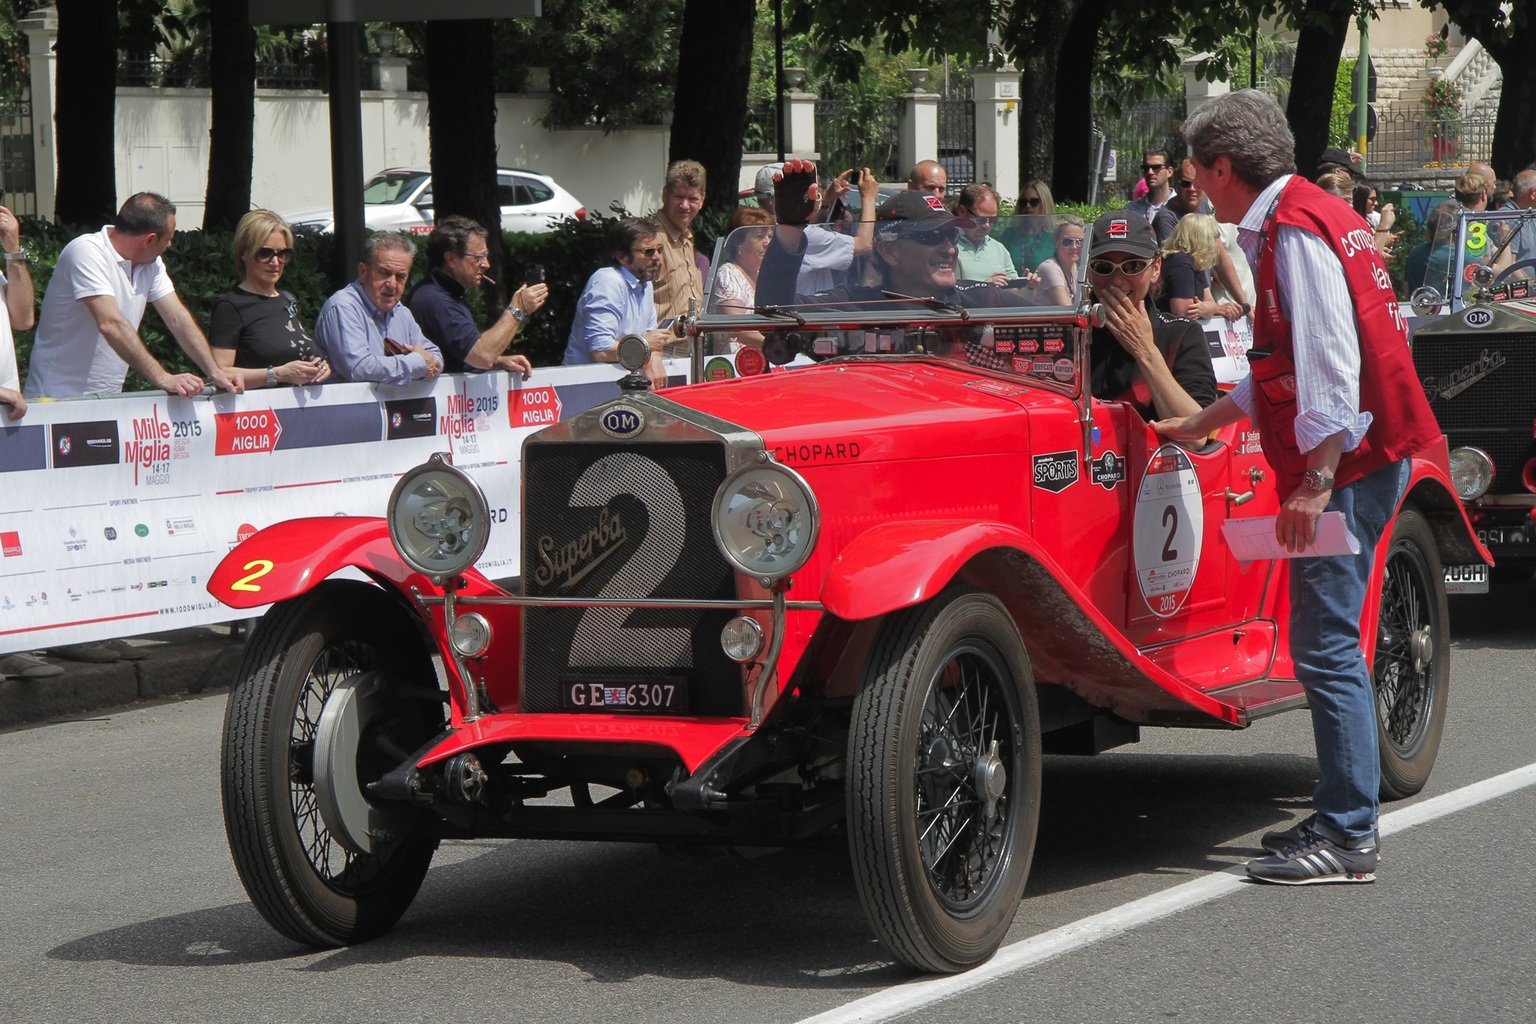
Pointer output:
x,y
1339,411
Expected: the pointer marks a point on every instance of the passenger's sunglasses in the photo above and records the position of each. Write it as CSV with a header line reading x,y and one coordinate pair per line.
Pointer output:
x,y
1130,268
266,254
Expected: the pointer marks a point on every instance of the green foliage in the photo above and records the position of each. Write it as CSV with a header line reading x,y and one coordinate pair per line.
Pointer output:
x,y
1343,102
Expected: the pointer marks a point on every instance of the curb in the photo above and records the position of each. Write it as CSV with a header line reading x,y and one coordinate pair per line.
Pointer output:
x,y
188,661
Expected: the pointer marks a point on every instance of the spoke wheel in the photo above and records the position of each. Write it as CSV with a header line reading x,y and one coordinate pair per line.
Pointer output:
x,y
314,885
944,781
1412,667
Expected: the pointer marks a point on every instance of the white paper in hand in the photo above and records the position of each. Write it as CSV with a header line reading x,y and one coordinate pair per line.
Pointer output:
x,y
1253,540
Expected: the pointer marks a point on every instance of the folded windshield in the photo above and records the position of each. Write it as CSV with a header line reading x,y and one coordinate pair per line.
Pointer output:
x,y
940,264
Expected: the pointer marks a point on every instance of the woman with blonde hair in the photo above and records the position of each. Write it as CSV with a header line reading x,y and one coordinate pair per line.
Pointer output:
x,y
1188,256
1059,274
255,326
1030,240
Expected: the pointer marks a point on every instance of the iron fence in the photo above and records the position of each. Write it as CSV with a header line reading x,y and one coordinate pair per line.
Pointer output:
x,y
957,141
762,134
859,133
1154,123
18,170
1410,145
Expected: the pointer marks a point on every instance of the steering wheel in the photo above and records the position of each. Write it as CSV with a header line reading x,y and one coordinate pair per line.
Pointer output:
x,y
1522,265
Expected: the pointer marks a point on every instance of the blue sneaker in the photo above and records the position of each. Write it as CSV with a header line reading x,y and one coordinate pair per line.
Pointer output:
x,y
1314,859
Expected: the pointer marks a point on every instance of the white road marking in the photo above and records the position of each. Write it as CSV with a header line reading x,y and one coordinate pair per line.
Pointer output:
x,y
902,999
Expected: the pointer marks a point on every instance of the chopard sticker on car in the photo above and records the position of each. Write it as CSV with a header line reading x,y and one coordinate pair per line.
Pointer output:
x,y
622,421
1056,471
1107,470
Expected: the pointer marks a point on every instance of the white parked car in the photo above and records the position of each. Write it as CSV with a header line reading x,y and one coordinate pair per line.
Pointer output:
x,y
400,199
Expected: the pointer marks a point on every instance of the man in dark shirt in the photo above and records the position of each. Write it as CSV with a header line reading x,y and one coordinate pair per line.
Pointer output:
x,y
1155,362
457,256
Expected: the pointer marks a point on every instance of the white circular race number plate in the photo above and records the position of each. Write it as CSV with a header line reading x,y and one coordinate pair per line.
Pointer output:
x,y
1168,529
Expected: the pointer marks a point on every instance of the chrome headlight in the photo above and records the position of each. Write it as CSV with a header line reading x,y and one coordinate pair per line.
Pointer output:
x,y
766,521
438,519
1426,301
1471,473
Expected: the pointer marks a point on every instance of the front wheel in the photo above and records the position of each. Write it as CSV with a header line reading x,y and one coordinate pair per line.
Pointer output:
x,y
944,781
1412,669
318,711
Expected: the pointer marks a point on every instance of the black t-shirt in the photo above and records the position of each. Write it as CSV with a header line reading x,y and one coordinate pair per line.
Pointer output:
x,y
263,330
1181,280
1182,343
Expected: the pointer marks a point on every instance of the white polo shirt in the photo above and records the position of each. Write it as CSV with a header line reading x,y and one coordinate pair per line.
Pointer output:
x,y
70,357
9,377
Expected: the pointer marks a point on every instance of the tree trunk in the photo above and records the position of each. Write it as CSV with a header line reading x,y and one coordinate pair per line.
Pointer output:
x,y
232,55
1072,176
709,106
1514,130
1319,43
461,129
1037,43
84,112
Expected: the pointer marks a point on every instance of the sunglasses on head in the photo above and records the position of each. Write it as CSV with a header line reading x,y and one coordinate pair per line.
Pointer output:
x,y
1130,268
266,254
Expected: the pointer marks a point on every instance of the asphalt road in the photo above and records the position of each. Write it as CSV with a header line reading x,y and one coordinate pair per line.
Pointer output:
x,y
118,901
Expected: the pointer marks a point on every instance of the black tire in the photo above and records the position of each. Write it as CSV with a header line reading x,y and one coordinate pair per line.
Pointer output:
x,y
1412,667
941,879
308,885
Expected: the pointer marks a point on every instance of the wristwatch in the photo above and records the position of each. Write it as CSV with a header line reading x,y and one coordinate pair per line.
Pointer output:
x,y
1314,480
518,313
271,376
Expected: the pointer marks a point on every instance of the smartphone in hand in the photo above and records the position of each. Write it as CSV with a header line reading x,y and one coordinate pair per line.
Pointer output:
x,y
534,275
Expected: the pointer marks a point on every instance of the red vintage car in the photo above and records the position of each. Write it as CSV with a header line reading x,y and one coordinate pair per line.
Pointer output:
x,y
850,592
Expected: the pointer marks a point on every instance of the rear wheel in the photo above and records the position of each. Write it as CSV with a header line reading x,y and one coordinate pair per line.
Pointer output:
x,y
1412,668
944,781
316,714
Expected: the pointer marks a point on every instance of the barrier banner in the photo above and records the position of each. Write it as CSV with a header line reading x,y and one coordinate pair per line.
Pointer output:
x,y
114,511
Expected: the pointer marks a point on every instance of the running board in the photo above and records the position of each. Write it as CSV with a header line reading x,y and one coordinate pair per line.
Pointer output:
x,y
1261,697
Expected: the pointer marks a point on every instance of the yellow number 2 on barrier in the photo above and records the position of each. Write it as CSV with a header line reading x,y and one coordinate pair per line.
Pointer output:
x,y
261,566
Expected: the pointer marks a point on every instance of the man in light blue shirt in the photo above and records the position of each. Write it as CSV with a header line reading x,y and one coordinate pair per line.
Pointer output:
x,y
618,300
365,333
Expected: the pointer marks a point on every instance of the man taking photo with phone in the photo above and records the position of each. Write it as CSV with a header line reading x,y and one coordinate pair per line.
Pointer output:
x,y
457,258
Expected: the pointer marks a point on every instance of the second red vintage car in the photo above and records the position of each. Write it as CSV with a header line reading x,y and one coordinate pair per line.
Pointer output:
x,y
851,593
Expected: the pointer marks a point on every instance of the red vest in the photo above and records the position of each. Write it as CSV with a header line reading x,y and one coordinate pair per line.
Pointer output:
x,y
1401,422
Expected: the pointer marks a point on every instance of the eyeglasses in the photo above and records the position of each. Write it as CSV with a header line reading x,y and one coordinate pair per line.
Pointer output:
x,y
938,236
647,253
982,220
478,257
1186,183
266,254
1071,243
1031,201
1130,268
1154,167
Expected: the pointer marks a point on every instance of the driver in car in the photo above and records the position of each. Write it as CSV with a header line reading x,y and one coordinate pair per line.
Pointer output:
x,y
1158,363
915,253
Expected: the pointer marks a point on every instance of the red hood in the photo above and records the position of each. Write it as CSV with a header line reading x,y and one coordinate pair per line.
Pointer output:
x,y
889,409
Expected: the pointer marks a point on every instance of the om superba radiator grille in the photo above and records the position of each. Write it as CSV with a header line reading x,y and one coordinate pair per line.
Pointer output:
x,y
625,522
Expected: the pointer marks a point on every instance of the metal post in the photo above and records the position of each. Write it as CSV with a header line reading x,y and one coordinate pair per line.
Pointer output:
x,y
778,70
1362,93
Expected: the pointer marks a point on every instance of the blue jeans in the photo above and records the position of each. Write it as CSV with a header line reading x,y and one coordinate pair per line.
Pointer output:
x,y
1327,597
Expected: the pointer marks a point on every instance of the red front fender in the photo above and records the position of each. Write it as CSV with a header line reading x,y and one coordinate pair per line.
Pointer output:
x,y
291,557
903,564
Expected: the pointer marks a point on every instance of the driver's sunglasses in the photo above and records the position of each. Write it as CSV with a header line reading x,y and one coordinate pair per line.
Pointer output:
x,y
937,236
1130,268
266,254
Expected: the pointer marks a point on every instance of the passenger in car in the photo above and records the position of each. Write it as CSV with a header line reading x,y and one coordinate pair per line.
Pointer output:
x,y
1158,363
915,253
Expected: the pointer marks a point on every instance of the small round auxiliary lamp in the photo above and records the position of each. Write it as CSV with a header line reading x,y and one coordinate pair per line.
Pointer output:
x,y
439,520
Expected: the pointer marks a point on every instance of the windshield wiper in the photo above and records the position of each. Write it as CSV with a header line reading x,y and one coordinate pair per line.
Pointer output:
x,y
937,305
779,311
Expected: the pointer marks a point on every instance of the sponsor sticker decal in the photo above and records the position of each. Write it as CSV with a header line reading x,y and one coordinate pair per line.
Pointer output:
x,y
1056,471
